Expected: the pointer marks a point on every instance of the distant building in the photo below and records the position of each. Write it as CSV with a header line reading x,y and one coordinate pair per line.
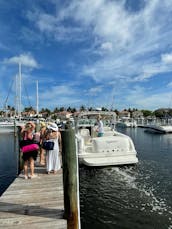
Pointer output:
x,y
124,114
137,114
31,113
64,115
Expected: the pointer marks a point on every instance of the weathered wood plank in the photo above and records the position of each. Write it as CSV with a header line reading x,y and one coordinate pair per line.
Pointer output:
x,y
34,203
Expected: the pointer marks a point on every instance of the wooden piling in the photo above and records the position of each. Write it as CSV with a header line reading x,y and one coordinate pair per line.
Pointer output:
x,y
17,148
69,159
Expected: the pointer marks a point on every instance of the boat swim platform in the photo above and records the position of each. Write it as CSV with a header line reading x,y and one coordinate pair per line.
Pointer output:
x,y
34,203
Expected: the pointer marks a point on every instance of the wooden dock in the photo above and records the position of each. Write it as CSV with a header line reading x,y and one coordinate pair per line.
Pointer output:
x,y
34,203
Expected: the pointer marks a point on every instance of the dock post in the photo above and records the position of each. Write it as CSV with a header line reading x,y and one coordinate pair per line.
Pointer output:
x,y
20,160
70,178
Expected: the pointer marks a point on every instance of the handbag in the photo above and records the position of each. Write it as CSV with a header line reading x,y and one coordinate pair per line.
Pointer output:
x,y
28,146
48,145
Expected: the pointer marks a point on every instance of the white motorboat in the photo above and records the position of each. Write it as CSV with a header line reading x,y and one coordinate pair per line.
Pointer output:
x,y
126,122
113,148
6,126
159,128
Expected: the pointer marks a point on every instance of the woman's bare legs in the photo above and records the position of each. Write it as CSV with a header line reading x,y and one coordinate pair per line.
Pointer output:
x,y
42,157
26,169
32,166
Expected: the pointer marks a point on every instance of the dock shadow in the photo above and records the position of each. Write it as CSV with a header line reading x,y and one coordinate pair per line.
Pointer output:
x,y
31,210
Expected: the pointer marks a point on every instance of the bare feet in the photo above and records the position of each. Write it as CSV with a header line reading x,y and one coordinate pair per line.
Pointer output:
x,y
33,176
42,163
57,171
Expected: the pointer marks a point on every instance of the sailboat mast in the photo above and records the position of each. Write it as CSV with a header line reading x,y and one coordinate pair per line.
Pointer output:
x,y
19,110
37,99
16,95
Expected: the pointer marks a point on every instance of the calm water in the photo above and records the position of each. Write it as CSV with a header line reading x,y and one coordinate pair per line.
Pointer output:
x,y
138,197
130,197
8,160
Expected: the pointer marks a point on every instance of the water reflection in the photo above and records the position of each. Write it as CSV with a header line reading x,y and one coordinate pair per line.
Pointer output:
x,y
131,197
8,160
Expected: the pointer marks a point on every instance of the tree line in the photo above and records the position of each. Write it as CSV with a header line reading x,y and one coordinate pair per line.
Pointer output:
x,y
159,113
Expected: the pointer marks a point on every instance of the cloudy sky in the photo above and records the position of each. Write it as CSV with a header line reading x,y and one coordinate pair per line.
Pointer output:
x,y
111,53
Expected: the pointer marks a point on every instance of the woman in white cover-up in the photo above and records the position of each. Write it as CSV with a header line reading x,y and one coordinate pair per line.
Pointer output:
x,y
53,161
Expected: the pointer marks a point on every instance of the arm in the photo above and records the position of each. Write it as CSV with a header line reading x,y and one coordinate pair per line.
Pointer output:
x,y
22,129
33,125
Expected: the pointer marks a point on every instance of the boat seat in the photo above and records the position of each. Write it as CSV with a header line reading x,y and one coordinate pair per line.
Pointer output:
x,y
85,134
108,133
80,143
107,128
110,144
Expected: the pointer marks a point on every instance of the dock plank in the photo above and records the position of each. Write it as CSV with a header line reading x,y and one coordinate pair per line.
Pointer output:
x,y
34,203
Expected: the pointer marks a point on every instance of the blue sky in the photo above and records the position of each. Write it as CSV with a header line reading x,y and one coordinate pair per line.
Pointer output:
x,y
111,53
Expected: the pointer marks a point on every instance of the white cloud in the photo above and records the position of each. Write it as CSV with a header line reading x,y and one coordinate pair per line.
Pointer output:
x,y
128,35
46,22
52,27
124,46
95,90
167,58
121,38
60,96
57,91
24,59
106,46
143,98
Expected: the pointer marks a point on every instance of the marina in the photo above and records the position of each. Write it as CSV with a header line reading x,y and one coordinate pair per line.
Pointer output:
x,y
130,193
86,114
62,61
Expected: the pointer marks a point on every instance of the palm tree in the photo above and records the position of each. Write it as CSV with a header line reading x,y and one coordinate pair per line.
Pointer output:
x,y
82,108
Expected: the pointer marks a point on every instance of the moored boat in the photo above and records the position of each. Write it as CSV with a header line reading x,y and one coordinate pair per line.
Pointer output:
x,y
158,128
113,148
6,127
126,122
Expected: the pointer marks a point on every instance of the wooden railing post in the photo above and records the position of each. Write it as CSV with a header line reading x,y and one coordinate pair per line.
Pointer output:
x,y
70,177
20,160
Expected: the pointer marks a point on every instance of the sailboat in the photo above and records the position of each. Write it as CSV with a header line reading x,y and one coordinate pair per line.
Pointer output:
x,y
8,124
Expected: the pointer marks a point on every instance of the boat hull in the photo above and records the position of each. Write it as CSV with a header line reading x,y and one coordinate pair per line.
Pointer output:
x,y
159,129
108,161
107,151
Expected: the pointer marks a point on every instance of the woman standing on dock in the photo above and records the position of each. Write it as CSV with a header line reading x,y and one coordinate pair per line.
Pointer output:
x,y
27,133
53,162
